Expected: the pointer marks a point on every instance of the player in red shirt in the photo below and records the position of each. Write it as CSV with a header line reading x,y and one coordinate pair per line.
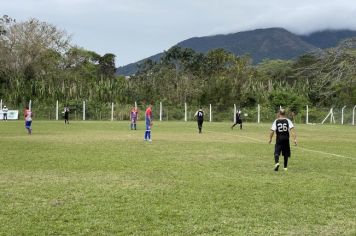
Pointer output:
x,y
28,120
133,117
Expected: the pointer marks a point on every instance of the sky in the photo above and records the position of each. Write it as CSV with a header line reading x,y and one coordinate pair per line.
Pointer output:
x,y
136,29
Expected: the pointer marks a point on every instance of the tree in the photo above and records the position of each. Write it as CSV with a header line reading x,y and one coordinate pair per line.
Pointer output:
x,y
328,76
28,48
107,65
287,99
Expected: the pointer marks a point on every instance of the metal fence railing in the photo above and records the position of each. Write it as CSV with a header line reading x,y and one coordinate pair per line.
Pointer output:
x,y
88,110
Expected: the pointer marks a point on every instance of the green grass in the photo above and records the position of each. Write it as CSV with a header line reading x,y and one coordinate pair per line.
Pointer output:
x,y
99,178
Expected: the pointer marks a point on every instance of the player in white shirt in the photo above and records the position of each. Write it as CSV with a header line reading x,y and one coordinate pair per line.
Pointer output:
x,y
4,113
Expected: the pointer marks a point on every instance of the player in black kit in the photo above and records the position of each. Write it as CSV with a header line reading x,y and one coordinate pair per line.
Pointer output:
x,y
238,119
200,119
66,115
282,126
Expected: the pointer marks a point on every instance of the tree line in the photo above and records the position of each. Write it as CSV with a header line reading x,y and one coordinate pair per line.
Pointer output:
x,y
38,62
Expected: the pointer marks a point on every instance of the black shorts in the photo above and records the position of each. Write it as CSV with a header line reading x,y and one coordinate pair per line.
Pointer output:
x,y
200,122
238,121
282,146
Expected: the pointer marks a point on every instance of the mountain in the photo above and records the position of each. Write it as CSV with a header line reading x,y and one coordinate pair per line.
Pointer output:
x,y
270,43
131,68
328,38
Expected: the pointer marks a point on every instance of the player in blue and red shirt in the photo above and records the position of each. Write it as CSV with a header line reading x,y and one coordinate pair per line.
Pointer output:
x,y
148,123
28,120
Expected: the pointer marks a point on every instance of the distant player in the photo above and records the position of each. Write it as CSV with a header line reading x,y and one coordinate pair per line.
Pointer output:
x,y
282,126
149,123
4,113
66,115
200,118
28,120
133,117
238,119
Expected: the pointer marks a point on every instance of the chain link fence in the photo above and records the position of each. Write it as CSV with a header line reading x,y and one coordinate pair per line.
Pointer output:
x,y
88,110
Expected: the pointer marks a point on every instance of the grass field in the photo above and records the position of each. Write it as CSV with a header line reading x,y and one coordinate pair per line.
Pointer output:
x,y
100,178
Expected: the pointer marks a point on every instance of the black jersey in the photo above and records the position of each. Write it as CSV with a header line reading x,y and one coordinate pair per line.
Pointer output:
x,y
200,115
238,119
238,116
66,113
282,127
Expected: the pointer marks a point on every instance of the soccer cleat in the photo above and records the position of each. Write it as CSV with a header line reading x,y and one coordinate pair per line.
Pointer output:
x,y
276,167
285,169
150,140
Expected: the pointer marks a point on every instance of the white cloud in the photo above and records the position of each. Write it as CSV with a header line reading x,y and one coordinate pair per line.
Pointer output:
x,y
134,29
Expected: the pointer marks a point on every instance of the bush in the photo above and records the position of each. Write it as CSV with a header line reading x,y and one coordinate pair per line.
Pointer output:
x,y
290,100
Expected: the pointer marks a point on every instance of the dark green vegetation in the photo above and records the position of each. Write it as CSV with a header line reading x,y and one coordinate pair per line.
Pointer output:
x,y
99,178
326,78
38,62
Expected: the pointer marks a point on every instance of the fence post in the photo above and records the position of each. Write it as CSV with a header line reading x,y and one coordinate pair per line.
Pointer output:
x,y
307,116
210,118
234,114
258,113
83,110
185,112
160,111
1,104
112,111
342,115
136,105
57,110
331,115
30,105
353,115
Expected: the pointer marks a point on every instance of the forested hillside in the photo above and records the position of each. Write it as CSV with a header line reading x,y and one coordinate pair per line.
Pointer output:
x,y
260,44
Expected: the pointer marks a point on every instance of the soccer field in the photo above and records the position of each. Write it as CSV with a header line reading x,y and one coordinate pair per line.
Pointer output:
x,y
100,178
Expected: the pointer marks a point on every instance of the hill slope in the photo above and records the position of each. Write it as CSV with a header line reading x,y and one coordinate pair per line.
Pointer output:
x,y
328,38
260,44
272,43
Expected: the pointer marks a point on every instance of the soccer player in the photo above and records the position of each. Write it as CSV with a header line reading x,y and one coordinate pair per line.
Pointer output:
x,y
282,126
200,118
66,115
238,119
149,123
133,117
28,120
4,113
